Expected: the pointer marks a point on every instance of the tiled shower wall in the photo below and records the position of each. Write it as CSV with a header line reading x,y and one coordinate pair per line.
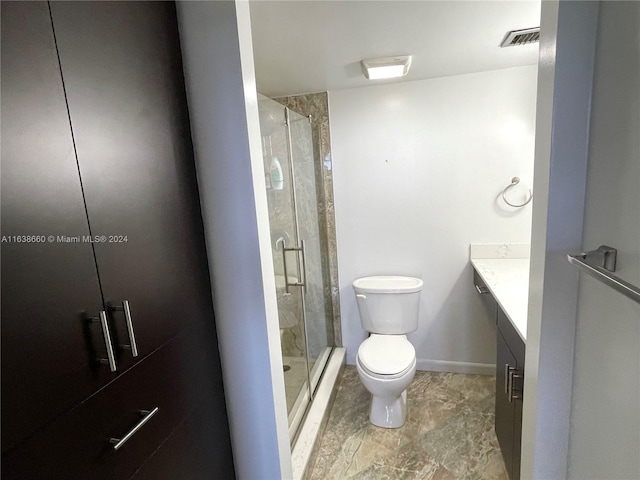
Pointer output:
x,y
317,106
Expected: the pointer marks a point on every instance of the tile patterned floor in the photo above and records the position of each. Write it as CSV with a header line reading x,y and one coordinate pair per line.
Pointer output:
x,y
448,433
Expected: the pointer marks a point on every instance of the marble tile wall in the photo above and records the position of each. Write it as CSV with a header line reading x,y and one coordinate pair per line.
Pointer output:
x,y
449,433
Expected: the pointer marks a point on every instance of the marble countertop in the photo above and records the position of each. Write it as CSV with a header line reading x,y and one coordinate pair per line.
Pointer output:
x,y
507,279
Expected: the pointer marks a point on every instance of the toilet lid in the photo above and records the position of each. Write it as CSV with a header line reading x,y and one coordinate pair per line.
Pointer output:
x,y
386,354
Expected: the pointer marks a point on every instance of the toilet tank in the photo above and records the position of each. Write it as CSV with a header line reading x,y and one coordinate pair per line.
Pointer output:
x,y
388,304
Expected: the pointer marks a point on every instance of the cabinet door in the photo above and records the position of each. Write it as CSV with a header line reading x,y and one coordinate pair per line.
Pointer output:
x,y
517,422
77,445
48,285
188,452
122,69
517,438
505,412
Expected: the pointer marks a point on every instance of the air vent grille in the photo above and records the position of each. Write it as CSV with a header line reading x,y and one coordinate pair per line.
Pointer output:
x,y
521,37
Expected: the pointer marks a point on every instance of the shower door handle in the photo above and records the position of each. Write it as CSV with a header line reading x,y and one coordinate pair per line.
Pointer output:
x,y
302,282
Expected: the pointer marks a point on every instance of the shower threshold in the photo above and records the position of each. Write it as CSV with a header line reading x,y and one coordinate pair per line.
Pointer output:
x,y
302,403
310,428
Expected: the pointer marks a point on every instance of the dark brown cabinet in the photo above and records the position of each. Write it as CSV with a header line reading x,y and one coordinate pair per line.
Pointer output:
x,y
100,213
509,393
122,72
509,381
48,351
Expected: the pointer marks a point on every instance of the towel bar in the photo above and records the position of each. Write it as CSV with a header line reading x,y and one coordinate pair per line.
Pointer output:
x,y
607,257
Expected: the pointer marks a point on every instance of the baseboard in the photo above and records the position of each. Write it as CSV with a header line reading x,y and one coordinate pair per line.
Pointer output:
x,y
455,367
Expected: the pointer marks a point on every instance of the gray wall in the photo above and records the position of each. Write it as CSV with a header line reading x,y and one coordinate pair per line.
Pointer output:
x,y
565,71
605,418
218,66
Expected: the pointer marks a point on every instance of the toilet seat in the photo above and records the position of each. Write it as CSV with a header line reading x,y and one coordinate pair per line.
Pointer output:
x,y
386,356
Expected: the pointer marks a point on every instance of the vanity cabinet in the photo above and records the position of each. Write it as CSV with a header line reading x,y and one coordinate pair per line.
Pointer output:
x,y
509,393
106,299
509,375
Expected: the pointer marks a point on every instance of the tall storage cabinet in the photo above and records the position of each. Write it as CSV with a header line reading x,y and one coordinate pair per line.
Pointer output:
x,y
107,319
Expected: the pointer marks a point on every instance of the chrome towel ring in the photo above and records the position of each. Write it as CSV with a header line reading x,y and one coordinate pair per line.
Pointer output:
x,y
514,182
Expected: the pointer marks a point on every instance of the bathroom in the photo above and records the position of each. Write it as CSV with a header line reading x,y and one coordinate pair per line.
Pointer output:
x,y
417,164
255,180
437,248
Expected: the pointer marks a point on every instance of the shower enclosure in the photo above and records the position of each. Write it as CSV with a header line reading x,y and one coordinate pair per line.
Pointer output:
x,y
294,183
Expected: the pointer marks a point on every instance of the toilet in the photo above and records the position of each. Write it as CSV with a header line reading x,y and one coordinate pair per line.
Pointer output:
x,y
386,361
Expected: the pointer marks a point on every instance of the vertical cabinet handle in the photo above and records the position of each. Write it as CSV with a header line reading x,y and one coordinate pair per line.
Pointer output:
x,y
111,359
132,336
146,416
127,317
513,375
507,371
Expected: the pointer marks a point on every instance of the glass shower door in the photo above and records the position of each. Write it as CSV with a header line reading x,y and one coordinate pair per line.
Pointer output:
x,y
308,189
290,179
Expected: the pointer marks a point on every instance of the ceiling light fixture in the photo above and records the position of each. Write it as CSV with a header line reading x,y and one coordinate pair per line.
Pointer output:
x,y
387,67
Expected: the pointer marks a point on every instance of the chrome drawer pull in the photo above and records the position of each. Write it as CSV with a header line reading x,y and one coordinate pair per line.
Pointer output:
x,y
111,359
146,416
482,290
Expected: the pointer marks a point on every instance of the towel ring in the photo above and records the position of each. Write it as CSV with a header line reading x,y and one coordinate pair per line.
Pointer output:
x,y
514,182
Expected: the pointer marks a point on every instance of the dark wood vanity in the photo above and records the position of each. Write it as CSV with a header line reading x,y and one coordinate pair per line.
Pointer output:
x,y
509,378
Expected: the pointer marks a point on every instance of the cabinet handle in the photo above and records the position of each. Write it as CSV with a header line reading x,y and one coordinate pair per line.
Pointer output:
x,y
127,317
512,376
132,336
482,290
146,416
111,359
507,372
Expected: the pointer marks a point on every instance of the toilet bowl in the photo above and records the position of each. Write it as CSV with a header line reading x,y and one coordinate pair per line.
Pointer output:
x,y
386,366
386,361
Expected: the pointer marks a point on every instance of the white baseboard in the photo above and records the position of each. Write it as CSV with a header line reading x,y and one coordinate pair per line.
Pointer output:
x,y
455,367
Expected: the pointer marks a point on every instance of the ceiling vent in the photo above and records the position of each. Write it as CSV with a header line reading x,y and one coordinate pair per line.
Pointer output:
x,y
521,37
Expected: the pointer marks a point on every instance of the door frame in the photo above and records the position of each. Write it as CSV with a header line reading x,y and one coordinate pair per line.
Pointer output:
x,y
565,78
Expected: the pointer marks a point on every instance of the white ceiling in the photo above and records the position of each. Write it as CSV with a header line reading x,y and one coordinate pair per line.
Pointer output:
x,y
315,46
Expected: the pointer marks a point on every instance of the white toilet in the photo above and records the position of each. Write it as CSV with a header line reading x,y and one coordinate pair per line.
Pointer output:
x,y
386,361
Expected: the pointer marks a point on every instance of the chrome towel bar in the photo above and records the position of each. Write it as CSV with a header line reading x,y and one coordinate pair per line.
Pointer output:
x,y
606,258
